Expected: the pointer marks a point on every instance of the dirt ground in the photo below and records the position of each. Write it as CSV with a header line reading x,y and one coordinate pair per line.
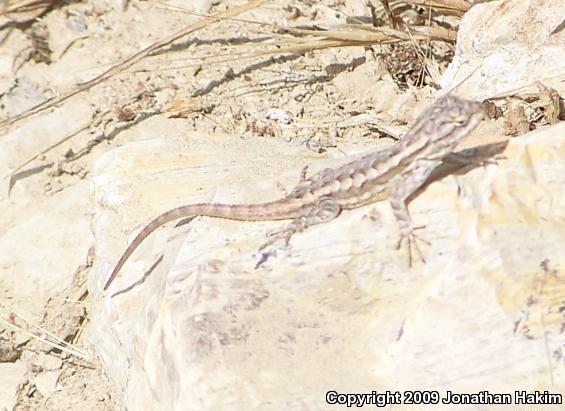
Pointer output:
x,y
218,79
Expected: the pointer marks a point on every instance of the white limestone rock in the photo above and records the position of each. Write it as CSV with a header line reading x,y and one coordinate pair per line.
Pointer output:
x,y
506,45
339,308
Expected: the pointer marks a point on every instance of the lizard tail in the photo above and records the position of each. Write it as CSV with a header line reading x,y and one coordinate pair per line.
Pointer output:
x,y
276,210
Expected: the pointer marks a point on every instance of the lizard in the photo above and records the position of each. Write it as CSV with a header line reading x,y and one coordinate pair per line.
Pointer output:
x,y
395,173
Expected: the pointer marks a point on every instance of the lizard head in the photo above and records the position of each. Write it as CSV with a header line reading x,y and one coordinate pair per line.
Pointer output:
x,y
452,119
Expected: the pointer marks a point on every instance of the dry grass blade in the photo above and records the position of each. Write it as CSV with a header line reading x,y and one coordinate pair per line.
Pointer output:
x,y
304,39
348,35
367,35
130,61
23,10
362,34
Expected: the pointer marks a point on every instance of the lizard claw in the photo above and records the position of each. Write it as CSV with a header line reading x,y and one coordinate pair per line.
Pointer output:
x,y
412,241
275,236
284,234
271,239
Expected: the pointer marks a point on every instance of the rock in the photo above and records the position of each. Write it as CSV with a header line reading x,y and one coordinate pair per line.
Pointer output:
x,y
165,179
340,302
505,45
12,376
46,382
278,115
47,362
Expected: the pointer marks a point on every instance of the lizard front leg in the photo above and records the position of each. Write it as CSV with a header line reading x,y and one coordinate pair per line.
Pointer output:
x,y
301,181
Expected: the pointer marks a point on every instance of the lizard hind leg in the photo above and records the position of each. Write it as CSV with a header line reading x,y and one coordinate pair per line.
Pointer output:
x,y
323,211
